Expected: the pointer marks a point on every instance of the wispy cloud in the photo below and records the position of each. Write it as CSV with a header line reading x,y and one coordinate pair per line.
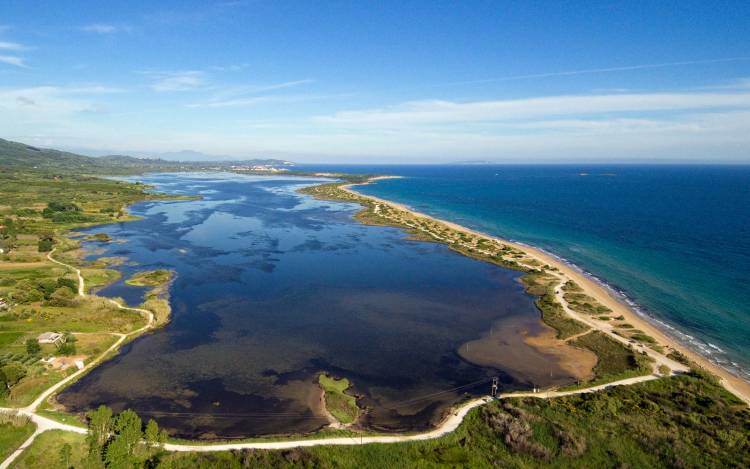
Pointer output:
x,y
13,60
587,71
257,100
251,95
42,103
436,112
13,46
229,68
104,28
185,80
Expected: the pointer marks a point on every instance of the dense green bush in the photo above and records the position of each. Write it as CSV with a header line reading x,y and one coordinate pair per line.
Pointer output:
x,y
63,296
32,347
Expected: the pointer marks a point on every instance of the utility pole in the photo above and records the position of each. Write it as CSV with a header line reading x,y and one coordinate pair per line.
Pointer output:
x,y
495,385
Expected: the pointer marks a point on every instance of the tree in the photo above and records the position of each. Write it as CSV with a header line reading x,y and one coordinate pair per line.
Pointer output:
x,y
151,434
67,349
122,451
46,242
32,347
65,453
13,372
100,426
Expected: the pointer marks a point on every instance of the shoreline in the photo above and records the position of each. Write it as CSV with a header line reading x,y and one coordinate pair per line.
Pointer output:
x,y
591,286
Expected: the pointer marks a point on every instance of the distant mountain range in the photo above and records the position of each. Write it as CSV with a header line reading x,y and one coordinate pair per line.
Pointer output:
x,y
18,155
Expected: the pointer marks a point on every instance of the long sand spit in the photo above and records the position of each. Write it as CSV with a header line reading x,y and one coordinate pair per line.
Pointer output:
x,y
590,287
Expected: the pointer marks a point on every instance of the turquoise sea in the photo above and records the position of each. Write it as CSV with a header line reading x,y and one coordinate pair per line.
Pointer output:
x,y
672,240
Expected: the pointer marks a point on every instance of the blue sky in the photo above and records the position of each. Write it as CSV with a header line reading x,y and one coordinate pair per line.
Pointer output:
x,y
407,81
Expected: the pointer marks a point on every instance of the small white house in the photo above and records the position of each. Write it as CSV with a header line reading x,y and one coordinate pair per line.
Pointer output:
x,y
51,338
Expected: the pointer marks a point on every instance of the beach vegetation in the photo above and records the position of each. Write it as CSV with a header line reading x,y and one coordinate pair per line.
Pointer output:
x,y
679,357
554,316
642,337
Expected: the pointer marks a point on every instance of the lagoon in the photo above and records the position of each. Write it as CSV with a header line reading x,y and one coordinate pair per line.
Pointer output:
x,y
273,287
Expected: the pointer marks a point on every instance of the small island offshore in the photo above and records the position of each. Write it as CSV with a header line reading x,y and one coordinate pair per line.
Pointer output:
x,y
632,394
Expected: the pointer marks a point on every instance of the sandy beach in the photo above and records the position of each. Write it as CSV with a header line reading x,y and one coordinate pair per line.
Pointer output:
x,y
592,288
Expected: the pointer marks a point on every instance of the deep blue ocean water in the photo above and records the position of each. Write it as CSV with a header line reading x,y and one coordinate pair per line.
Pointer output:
x,y
674,239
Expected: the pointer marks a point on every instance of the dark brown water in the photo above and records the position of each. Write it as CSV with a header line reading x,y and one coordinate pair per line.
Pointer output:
x,y
273,288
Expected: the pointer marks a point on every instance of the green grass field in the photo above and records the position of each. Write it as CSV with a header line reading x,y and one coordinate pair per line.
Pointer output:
x,y
12,436
46,451
340,404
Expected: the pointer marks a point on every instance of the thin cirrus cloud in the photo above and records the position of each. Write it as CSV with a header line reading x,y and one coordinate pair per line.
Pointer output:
x,y
7,48
176,81
448,112
104,28
13,60
12,46
587,71
251,95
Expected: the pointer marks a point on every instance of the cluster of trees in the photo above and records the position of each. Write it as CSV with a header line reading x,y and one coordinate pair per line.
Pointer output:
x,y
64,212
68,347
54,292
46,242
121,441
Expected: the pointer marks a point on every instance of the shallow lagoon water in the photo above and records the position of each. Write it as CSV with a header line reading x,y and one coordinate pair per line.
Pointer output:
x,y
274,287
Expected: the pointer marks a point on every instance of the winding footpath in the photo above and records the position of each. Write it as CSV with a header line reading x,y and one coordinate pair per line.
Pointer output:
x,y
448,425
43,423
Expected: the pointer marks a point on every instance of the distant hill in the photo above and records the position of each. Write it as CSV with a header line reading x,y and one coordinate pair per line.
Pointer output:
x,y
20,155
15,155
198,157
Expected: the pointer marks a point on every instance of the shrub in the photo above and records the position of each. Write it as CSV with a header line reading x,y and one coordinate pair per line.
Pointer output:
x,y
13,373
32,347
45,245
63,296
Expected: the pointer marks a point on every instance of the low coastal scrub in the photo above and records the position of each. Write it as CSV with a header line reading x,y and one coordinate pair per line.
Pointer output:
x,y
580,302
150,278
685,421
614,360
541,284
341,405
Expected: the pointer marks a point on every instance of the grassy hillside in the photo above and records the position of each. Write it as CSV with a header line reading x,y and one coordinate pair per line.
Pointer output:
x,y
22,157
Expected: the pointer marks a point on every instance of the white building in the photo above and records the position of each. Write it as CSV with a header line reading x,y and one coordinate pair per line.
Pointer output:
x,y
51,338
